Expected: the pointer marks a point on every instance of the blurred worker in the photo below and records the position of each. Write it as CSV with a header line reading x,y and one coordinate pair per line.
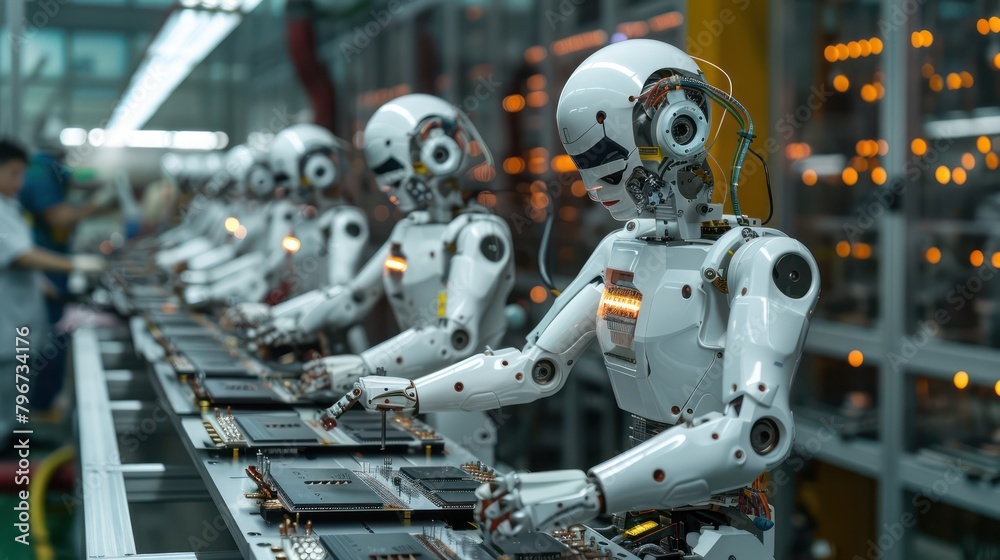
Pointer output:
x,y
43,198
21,301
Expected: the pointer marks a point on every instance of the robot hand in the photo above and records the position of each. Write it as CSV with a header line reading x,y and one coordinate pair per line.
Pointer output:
x,y
277,331
338,373
518,503
247,314
376,393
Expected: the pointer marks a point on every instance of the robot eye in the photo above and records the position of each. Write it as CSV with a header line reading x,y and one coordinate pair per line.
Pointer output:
x,y
391,164
614,178
604,151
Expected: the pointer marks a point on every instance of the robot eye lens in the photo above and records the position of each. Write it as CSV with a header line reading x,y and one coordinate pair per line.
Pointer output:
x,y
614,178
601,116
683,129
440,155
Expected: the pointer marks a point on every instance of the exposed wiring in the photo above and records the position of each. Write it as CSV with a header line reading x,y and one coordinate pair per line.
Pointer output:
x,y
767,179
718,129
543,249
657,93
38,491
725,179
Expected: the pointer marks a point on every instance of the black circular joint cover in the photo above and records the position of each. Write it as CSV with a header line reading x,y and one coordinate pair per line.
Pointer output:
x,y
353,229
792,275
543,372
459,339
492,248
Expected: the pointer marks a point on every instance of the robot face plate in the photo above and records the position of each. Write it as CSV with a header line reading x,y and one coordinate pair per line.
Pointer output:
x,y
304,158
624,147
418,147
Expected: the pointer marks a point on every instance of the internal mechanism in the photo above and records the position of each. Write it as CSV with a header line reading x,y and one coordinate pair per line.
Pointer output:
x,y
619,307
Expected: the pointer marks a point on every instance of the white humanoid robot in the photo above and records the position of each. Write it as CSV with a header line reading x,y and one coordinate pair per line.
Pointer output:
x,y
296,241
700,319
202,215
446,269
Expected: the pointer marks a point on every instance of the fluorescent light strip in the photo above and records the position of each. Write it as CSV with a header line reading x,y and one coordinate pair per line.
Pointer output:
x,y
959,128
188,36
162,139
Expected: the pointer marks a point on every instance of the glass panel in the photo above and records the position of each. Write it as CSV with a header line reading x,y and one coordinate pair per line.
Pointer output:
x,y
833,393
957,422
43,52
943,531
954,148
99,55
828,129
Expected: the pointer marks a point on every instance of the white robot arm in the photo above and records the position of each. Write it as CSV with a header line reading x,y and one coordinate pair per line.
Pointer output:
x,y
504,377
482,262
773,290
334,307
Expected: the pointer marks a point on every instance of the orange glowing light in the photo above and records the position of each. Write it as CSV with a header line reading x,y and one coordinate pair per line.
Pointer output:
x,y
513,103
992,160
395,263
579,42
996,60
926,38
918,146
883,147
537,99
484,173
859,163
578,189
539,294
983,26
809,177
966,79
976,258
853,49
862,251
291,244
841,83
866,47
535,54
942,174
563,163
486,199
953,81
538,165
869,93
879,175
536,82
876,45
995,260
983,144
916,40
968,161
843,249
995,24
936,82
830,53
958,175
933,255
849,176
961,380
106,247
540,200
666,21
996,388
513,165
927,70
231,224
855,358
842,52
240,232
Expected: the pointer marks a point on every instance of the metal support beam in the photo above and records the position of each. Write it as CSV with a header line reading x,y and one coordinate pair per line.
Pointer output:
x,y
892,267
11,122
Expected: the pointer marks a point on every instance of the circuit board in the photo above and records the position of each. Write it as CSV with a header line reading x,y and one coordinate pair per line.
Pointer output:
x,y
230,429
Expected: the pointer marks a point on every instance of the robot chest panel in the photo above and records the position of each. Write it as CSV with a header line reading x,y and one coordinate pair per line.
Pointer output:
x,y
661,331
415,279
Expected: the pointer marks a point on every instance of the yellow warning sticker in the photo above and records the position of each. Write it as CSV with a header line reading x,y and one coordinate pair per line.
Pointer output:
x,y
653,153
419,167
442,303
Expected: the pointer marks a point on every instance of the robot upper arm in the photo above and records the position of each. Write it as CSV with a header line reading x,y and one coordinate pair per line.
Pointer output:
x,y
348,237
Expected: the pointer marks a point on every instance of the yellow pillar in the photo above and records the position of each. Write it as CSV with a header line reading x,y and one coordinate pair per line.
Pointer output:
x,y
733,34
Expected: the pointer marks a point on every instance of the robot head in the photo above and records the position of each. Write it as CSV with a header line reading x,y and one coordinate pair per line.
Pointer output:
x,y
307,159
249,172
419,146
639,147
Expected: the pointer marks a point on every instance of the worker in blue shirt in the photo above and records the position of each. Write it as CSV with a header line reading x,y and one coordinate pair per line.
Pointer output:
x,y
53,219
